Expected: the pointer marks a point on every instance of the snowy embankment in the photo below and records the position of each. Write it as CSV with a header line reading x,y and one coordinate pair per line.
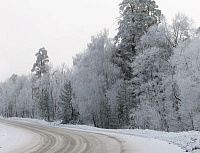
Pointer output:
x,y
188,141
11,138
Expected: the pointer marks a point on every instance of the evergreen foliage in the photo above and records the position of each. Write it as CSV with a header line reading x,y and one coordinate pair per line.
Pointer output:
x,y
40,67
68,112
136,16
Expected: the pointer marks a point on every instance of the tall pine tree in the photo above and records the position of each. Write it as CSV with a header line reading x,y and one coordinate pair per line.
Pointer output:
x,y
40,67
66,103
136,16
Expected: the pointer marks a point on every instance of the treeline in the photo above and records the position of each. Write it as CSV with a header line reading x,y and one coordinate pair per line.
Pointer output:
x,y
147,77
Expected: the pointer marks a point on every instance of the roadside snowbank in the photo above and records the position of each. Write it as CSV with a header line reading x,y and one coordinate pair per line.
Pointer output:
x,y
188,141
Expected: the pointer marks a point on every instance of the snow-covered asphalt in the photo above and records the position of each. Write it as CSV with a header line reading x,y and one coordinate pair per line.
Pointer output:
x,y
21,137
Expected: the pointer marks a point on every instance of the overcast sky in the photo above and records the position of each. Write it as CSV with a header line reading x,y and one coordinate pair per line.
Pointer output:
x,y
63,27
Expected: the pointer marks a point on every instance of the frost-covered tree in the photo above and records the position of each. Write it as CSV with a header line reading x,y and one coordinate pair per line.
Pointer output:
x,y
151,66
182,28
41,87
68,112
93,78
149,88
124,100
187,72
136,16
40,67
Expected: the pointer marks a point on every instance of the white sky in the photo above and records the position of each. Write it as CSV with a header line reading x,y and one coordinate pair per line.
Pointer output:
x,y
63,27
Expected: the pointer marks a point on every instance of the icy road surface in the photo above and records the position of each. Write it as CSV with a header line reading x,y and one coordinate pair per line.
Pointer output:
x,y
20,137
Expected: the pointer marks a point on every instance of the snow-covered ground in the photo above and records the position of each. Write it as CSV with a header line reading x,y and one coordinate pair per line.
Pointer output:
x,y
171,142
11,137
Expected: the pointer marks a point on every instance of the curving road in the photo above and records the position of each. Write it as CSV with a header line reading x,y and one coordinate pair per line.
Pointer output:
x,y
45,139
21,137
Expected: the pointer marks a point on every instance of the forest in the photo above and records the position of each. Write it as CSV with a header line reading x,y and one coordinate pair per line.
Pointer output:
x,y
146,77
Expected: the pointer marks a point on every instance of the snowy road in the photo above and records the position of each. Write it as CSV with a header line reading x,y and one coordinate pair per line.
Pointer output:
x,y
20,137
